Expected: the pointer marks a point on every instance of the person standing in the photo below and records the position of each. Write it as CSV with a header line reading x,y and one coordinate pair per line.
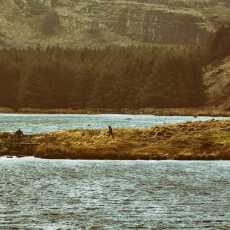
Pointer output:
x,y
110,131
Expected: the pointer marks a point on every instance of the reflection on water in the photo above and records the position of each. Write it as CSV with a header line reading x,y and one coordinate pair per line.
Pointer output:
x,y
43,194
45,123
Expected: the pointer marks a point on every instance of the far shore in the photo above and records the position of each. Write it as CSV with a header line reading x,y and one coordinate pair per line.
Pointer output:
x,y
193,111
200,140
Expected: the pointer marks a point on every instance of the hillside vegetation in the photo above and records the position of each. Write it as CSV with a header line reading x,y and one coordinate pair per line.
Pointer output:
x,y
115,77
217,72
96,23
102,78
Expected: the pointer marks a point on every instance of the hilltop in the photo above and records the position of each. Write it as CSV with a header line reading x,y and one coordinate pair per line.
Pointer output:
x,y
96,23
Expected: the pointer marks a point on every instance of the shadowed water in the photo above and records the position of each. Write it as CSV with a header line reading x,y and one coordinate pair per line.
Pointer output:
x,y
44,194
39,123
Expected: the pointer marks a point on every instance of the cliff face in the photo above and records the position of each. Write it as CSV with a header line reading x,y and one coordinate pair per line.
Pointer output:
x,y
101,22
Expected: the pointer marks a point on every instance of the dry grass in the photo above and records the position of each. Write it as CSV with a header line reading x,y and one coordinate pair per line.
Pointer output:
x,y
198,140
187,141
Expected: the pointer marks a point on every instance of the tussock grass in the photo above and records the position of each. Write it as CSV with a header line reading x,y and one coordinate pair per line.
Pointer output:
x,y
186,141
197,140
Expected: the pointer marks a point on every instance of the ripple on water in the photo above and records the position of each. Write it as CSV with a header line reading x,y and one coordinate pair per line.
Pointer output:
x,y
46,194
40,123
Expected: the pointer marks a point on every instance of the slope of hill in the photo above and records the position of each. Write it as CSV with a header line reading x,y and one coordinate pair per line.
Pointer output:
x,y
217,81
70,23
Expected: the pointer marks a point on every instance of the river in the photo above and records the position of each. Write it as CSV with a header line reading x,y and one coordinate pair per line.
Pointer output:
x,y
63,194
41,123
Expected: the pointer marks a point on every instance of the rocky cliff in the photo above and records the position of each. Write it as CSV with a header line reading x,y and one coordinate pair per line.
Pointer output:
x,y
217,81
71,23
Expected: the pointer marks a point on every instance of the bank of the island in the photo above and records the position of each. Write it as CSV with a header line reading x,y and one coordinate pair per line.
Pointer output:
x,y
209,140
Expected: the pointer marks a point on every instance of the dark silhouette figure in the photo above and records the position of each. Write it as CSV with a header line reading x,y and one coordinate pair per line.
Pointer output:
x,y
19,133
110,131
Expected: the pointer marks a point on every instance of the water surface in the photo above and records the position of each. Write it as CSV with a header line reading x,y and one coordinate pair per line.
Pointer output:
x,y
45,194
40,123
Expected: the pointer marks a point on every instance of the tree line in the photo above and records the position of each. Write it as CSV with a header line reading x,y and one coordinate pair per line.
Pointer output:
x,y
112,77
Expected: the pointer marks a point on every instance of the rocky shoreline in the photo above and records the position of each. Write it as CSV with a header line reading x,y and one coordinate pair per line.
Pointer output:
x,y
188,111
209,140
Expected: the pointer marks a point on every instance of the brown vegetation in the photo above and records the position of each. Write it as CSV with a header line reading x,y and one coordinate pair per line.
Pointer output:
x,y
136,22
105,78
187,141
113,78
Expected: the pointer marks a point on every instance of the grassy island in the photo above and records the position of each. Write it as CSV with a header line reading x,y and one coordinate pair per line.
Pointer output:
x,y
209,140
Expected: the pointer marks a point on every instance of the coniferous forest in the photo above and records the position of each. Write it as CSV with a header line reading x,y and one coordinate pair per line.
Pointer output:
x,y
112,77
